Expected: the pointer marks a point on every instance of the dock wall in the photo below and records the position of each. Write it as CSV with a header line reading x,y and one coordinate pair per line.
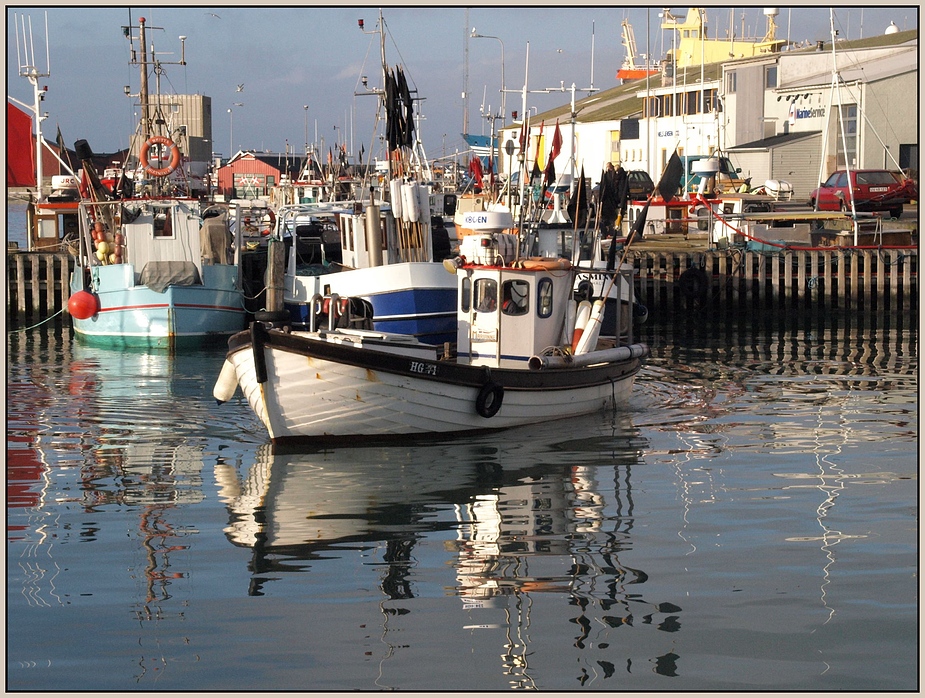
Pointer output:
x,y
667,281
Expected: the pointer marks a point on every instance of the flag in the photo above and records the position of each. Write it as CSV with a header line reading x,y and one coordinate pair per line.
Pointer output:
x,y
578,201
556,143
523,137
539,150
640,223
475,168
670,182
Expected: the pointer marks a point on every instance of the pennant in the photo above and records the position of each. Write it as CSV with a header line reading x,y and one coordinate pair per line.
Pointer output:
x,y
537,157
670,182
556,143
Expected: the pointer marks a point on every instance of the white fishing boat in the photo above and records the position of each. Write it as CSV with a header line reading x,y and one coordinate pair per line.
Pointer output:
x,y
150,271
525,353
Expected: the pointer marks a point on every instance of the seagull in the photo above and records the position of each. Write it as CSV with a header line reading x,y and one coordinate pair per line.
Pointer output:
x,y
212,14
238,104
240,87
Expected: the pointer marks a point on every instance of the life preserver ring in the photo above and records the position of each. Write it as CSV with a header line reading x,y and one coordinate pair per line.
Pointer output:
x,y
174,156
489,399
547,263
694,283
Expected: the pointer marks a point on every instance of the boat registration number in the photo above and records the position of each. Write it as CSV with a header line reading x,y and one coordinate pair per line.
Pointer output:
x,y
877,190
484,335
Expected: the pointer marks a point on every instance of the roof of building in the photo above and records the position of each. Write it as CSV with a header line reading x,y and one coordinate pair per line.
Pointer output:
x,y
777,140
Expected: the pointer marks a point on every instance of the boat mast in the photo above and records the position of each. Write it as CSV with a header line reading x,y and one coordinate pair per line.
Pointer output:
x,y
143,90
28,70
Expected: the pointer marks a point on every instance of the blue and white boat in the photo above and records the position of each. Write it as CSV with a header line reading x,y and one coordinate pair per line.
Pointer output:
x,y
150,271
392,274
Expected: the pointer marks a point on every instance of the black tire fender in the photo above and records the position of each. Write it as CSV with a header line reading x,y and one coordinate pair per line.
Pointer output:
x,y
694,283
489,399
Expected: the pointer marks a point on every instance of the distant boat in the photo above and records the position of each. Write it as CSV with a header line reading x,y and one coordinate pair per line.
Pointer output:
x,y
150,271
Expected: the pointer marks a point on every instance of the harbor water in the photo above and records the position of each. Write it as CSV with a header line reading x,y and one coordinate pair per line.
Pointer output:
x,y
748,523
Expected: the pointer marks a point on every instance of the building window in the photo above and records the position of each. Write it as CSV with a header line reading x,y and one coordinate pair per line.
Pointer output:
x,y
731,82
848,149
770,76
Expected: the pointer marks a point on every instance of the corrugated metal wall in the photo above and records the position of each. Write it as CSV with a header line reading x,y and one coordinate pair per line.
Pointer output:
x,y
798,163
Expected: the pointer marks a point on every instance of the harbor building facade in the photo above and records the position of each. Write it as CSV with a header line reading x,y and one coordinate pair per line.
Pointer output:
x,y
793,115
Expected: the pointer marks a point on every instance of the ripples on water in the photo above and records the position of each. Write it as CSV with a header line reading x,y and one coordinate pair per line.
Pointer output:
x,y
749,523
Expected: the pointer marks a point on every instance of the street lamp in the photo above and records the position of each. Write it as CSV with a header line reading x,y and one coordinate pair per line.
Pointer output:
x,y
476,35
231,136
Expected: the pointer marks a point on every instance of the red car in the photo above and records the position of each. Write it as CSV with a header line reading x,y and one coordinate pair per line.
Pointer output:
x,y
874,190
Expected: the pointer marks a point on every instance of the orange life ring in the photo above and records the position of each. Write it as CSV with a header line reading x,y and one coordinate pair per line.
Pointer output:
x,y
549,263
174,158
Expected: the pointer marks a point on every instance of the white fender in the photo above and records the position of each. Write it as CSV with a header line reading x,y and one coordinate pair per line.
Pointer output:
x,y
424,203
581,320
411,205
588,340
395,196
226,384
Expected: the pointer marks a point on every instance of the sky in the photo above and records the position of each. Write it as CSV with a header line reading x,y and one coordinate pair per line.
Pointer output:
x,y
267,64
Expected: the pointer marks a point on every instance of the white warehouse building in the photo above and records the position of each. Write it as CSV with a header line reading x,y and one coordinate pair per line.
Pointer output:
x,y
769,114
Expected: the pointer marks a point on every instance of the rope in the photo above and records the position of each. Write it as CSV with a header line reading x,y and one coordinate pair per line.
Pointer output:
x,y
38,324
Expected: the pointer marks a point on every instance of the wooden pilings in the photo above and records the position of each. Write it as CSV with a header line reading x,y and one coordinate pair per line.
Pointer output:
x,y
840,278
37,283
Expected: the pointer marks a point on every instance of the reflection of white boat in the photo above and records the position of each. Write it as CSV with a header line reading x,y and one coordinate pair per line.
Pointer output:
x,y
524,354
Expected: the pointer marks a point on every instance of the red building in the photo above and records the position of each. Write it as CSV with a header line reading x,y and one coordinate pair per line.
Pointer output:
x,y
252,175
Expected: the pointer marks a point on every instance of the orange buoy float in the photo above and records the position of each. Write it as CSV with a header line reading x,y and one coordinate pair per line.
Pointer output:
x,y
83,305
174,156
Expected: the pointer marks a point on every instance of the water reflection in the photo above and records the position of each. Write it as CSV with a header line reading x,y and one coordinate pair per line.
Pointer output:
x,y
530,518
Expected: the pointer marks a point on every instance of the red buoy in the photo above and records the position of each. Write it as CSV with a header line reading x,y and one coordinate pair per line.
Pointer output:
x,y
83,305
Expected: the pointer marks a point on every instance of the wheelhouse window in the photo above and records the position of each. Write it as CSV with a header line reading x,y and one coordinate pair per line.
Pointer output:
x,y
163,226
544,297
465,294
485,295
515,297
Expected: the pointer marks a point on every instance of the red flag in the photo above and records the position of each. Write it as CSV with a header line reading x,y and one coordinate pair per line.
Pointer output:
x,y
475,167
556,143
20,153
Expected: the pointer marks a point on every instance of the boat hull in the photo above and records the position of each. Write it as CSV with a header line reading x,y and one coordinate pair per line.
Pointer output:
x,y
414,298
138,316
307,389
